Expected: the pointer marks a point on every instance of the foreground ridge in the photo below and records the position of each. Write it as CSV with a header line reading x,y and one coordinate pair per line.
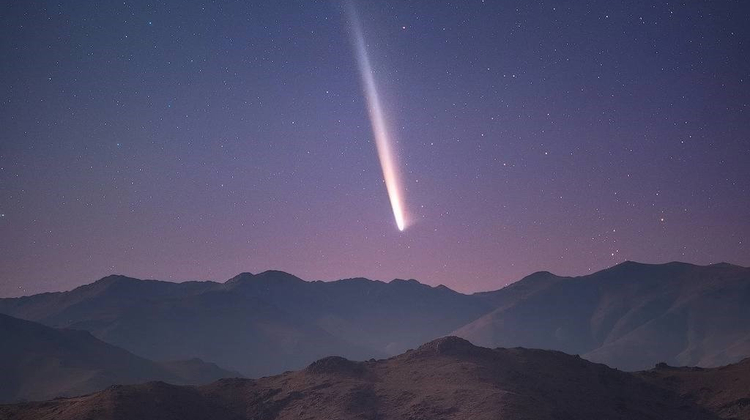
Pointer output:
x,y
447,378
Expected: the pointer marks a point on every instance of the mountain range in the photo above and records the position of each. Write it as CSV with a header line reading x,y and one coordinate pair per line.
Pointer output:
x,y
448,378
630,316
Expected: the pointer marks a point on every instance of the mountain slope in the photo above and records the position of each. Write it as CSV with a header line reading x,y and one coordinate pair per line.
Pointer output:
x,y
724,390
39,362
445,379
630,316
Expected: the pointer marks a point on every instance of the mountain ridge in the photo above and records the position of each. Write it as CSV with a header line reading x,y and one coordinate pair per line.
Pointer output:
x,y
447,378
248,275
629,316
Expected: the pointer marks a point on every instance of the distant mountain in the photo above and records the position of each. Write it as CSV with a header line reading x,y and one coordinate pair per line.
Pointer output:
x,y
448,378
724,390
630,316
39,362
386,318
258,324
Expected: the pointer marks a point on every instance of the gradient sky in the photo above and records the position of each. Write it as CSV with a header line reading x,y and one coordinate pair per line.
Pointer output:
x,y
195,140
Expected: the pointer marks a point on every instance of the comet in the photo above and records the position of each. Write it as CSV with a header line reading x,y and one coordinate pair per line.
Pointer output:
x,y
383,141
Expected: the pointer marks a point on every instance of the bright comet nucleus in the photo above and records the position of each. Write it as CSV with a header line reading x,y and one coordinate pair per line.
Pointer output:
x,y
379,124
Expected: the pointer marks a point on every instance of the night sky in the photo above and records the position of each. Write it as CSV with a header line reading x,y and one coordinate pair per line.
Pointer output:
x,y
196,140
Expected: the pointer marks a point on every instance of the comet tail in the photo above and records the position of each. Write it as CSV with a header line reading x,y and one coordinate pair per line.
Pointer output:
x,y
378,122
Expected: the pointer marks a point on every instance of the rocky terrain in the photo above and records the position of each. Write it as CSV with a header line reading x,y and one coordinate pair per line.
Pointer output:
x,y
724,390
447,378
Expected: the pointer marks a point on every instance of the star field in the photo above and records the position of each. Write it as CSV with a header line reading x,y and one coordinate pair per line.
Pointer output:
x,y
196,140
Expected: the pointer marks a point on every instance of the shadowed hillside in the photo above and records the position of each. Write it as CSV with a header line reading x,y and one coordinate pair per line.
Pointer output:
x,y
448,378
39,362
630,316
724,390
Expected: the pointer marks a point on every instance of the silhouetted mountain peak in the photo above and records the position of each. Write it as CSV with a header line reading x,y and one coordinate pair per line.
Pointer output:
x,y
627,264
354,281
240,278
274,276
110,283
631,265
542,273
335,365
414,285
405,282
277,275
115,279
539,276
680,265
526,285
725,265
447,346
636,270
